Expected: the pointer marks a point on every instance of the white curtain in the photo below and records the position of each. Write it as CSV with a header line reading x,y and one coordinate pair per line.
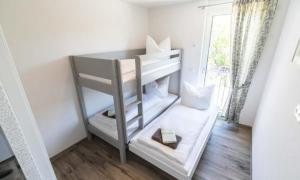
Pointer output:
x,y
251,23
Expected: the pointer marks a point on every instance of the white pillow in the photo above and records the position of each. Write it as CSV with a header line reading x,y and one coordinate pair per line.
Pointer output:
x,y
153,47
159,87
196,97
151,87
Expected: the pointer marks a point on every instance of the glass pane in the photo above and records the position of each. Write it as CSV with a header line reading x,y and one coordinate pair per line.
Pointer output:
x,y
218,65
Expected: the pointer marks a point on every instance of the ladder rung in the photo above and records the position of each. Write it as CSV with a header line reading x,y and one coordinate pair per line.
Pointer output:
x,y
133,120
138,102
136,130
134,102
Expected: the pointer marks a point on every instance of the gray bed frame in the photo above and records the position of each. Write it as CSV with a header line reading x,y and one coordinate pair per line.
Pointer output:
x,y
108,66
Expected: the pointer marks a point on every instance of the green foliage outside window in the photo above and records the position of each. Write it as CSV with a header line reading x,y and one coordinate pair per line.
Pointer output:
x,y
220,43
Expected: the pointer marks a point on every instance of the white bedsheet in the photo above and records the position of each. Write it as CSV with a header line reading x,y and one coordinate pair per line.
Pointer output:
x,y
161,158
186,122
152,105
128,65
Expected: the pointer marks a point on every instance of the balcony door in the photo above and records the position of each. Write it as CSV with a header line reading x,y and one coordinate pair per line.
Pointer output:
x,y
215,61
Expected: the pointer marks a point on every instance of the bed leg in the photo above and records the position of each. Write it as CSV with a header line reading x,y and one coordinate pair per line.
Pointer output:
x,y
123,156
89,136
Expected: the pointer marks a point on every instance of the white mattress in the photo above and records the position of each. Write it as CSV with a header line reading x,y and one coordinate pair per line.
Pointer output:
x,y
128,71
186,122
152,106
160,158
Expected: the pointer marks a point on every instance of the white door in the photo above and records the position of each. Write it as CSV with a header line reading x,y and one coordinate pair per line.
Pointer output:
x,y
18,123
215,60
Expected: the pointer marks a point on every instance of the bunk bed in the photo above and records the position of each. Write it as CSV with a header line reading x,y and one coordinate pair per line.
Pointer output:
x,y
122,75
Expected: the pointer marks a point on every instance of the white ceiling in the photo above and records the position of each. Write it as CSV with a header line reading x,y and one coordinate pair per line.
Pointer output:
x,y
155,3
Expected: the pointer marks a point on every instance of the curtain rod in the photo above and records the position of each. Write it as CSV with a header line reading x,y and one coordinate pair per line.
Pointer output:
x,y
209,5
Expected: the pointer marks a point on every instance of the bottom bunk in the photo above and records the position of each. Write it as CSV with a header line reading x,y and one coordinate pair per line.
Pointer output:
x,y
194,126
106,127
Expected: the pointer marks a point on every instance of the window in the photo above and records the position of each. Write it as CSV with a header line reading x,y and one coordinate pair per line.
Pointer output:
x,y
215,61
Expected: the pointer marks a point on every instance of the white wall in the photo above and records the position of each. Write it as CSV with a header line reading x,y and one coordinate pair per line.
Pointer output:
x,y
276,134
41,36
185,25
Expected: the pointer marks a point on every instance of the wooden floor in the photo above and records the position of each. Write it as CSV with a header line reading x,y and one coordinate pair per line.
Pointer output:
x,y
13,166
227,156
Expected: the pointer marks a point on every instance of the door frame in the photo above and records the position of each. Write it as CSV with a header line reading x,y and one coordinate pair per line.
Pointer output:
x,y
17,121
210,12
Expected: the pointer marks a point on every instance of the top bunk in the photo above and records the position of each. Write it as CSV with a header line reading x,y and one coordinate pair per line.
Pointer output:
x,y
106,71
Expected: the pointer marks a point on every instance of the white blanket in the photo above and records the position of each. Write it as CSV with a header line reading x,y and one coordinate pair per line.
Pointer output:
x,y
186,122
128,65
131,111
